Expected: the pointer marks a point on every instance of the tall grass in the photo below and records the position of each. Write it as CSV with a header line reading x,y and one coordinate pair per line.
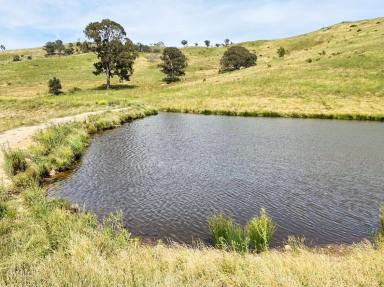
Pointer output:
x,y
260,231
380,232
226,234
257,234
15,161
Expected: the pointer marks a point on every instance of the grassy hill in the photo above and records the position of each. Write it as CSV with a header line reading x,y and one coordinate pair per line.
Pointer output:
x,y
335,72
45,243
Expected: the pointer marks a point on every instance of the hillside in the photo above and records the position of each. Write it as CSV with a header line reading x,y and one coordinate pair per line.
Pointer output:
x,y
344,80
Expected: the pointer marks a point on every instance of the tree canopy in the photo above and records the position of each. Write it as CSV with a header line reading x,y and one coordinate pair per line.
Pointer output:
x,y
116,53
235,58
174,64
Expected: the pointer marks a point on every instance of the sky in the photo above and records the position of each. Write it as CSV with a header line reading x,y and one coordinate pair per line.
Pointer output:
x,y
31,23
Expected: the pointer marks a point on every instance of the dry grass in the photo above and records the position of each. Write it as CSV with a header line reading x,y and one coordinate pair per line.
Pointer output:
x,y
345,82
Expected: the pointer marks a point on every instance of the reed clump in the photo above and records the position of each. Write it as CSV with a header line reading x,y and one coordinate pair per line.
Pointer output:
x,y
256,235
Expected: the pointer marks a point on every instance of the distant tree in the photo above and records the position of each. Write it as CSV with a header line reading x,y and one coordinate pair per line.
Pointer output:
x,y
227,42
2,47
49,48
54,86
16,58
174,64
159,44
85,47
59,47
115,52
281,52
207,43
184,43
217,45
196,44
235,58
69,51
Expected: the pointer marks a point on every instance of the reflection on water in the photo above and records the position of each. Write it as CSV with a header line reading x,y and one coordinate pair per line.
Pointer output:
x,y
168,174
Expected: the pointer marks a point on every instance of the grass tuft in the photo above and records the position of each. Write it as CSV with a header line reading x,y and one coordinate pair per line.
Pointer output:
x,y
226,234
15,161
260,231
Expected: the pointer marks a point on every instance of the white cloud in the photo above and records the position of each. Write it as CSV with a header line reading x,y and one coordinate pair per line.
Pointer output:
x,y
31,23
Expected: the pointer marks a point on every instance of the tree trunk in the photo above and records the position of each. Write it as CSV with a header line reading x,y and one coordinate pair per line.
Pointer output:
x,y
108,84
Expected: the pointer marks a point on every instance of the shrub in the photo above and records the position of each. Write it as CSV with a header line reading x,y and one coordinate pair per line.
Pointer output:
x,y
281,52
227,234
309,60
174,64
16,58
235,58
54,86
15,161
260,231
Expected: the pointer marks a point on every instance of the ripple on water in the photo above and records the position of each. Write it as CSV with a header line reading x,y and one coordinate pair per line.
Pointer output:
x,y
168,174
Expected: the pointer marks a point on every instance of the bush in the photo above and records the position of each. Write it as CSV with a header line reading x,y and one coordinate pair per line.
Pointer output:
x,y
227,234
54,86
174,64
281,52
16,58
15,161
235,58
260,231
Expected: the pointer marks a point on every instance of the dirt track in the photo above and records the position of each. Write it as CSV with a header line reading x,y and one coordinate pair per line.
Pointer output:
x,y
22,137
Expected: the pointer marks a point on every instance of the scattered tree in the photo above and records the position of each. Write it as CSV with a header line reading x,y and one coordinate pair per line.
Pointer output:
x,y
54,86
115,52
16,58
281,52
2,47
207,43
50,48
59,46
217,45
174,64
196,44
184,43
235,58
159,44
70,50
227,42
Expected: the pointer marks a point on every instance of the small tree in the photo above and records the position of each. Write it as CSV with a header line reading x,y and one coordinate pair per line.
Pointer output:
x,y
49,48
184,43
196,44
235,58
115,52
281,52
2,47
227,42
54,86
16,58
207,43
174,64
59,47
217,45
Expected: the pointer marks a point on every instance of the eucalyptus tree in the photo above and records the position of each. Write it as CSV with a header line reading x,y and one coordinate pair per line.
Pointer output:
x,y
115,52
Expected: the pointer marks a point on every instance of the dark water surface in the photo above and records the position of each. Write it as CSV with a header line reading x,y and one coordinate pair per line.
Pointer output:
x,y
320,179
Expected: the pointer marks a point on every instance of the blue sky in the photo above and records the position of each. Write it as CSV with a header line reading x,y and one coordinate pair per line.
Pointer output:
x,y
31,23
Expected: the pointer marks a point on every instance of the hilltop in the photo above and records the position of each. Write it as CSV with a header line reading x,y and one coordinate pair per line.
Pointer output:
x,y
334,72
